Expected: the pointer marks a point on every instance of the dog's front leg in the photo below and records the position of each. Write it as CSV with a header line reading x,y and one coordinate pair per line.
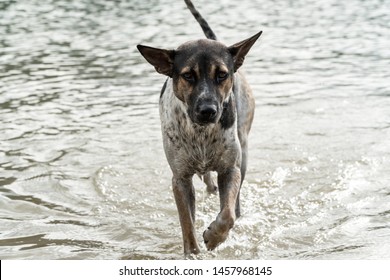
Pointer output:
x,y
184,193
229,186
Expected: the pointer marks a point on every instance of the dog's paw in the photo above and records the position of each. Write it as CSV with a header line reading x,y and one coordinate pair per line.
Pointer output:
x,y
212,237
212,189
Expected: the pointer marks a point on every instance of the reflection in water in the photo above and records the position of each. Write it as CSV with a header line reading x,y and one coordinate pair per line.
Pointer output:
x,y
82,169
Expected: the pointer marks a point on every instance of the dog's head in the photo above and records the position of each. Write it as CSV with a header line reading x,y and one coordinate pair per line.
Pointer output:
x,y
202,72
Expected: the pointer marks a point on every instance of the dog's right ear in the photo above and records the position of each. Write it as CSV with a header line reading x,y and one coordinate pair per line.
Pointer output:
x,y
161,59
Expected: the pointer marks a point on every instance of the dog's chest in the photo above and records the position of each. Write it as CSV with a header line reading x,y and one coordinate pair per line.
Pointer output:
x,y
188,145
194,146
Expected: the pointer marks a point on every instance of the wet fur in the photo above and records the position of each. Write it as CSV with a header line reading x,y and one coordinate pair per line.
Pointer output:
x,y
204,74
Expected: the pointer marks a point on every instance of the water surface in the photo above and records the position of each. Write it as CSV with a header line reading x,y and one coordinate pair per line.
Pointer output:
x,y
82,169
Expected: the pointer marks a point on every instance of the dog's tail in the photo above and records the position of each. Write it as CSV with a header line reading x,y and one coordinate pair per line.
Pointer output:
x,y
203,23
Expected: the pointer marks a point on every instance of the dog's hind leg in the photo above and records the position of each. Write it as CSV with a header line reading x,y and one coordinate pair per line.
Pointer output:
x,y
184,193
210,183
244,160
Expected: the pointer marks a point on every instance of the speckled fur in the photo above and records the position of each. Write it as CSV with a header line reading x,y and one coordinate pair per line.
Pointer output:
x,y
204,74
191,148
194,149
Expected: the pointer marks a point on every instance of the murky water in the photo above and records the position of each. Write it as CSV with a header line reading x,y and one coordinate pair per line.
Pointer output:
x,y
82,169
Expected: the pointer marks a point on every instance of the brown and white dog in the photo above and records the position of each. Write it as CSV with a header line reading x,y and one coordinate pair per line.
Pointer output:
x,y
206,111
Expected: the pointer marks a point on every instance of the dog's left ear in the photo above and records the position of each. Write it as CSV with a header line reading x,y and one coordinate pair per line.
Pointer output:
x,y
240,50
161,59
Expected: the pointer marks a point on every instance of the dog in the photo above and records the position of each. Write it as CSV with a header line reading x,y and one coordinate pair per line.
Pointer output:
x,y
206,111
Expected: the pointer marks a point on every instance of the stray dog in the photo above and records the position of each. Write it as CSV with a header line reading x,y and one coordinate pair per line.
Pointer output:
x,y
206,111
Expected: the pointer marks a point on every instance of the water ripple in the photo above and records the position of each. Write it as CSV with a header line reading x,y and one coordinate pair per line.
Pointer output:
x,y
82,167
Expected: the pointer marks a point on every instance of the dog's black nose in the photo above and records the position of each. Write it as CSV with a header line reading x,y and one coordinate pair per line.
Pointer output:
x,y
208,112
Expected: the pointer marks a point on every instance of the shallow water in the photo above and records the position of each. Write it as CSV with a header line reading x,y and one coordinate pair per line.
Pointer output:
x,y
82,169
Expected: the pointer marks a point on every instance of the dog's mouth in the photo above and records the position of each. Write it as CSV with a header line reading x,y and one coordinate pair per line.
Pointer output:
x,y
205,123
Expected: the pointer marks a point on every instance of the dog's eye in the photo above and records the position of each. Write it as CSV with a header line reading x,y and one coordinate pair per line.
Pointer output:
x,y
188,76
221,76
